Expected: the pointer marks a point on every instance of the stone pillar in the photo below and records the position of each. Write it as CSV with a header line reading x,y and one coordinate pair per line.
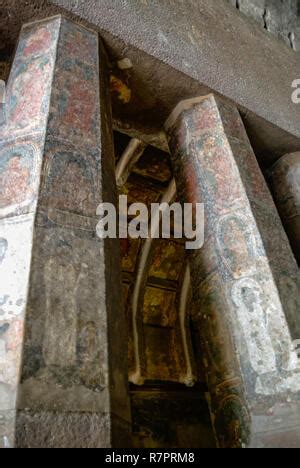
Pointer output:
x,y
245,279
63,375
285,182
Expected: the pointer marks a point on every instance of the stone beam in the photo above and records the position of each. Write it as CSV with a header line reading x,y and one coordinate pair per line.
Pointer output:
x,y
209,42
190,48
245,279
63,375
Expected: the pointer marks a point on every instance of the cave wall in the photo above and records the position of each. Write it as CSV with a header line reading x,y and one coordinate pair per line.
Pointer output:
x,y
281,18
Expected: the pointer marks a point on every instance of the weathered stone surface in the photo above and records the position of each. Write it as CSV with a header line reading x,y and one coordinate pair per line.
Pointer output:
x,y
70,430
22,140
245,279
285,182
56,166
191,48
279,18
63,430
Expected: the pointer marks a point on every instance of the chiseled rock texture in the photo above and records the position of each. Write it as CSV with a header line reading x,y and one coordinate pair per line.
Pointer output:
x,y
191,48
280,17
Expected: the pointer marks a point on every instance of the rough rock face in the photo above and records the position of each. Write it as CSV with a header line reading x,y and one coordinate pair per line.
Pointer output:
x,y
279,17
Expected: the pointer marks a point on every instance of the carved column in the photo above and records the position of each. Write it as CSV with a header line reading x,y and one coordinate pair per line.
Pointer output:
x,y
245,279
285,181
63,375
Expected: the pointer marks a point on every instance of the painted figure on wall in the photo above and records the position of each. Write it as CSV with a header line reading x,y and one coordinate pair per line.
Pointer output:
x,y
78,107
80,45
14,182
70,183
221,175
28,93
17,175
29,84
236,244
74,113
38,43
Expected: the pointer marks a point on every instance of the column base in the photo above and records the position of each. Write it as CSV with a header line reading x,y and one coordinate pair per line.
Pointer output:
x,y
70,430
279,429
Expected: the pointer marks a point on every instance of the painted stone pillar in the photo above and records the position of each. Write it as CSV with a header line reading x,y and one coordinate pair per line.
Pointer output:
x,y
245,279
285,182
63,376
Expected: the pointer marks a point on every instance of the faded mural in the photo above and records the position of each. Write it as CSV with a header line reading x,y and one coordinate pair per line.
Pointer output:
x,y
239,278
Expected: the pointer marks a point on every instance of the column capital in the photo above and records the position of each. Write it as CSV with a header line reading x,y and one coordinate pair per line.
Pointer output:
x,y
186,105
287,160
